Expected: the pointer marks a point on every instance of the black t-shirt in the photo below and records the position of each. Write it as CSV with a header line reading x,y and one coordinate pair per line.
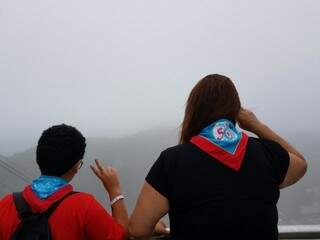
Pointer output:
x,y
211,201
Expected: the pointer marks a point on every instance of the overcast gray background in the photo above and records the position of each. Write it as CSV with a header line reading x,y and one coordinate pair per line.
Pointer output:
x,y
113,68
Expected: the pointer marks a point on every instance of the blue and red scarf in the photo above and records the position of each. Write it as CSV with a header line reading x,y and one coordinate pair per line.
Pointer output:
x,y
45,186
224,142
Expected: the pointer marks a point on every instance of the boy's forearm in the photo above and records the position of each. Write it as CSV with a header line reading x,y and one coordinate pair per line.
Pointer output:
x,y
119,212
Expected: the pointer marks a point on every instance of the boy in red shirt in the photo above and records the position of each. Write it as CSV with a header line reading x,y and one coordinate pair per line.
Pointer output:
x,y
79,216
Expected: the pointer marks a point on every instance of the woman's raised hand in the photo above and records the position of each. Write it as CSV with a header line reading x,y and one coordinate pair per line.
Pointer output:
x,y
161,229
247,120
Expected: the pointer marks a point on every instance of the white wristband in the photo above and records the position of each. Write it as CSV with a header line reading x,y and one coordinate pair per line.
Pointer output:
x,y
116,199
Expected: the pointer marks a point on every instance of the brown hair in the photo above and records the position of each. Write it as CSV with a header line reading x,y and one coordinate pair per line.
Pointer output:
x,y
212,98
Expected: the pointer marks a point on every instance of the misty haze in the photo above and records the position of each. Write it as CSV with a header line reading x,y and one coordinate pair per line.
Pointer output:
x,y
121,73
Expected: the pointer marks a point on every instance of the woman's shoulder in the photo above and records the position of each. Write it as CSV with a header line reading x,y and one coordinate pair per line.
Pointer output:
x,y
265,143
173,151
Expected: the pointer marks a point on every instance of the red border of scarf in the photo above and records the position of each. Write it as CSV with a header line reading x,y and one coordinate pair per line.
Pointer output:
x,y
233,161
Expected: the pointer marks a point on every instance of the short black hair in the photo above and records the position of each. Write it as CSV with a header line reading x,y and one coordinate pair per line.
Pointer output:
x,y
59,148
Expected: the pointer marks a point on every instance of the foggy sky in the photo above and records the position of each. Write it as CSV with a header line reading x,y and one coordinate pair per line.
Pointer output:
x,y
113,68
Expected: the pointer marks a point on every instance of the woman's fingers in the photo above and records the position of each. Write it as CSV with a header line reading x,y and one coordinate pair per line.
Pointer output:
x,y
247,120
161,228
242,113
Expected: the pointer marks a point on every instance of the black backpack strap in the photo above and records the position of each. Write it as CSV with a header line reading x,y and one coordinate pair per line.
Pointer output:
x,y
24,210
54,206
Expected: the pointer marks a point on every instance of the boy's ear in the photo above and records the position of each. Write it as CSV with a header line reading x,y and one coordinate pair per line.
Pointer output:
x,y
75,168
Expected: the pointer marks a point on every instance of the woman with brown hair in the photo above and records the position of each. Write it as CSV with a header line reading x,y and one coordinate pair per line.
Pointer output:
x,y
218,183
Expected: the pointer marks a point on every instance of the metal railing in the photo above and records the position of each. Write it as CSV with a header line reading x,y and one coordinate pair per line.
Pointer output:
x,y
288,232
299,232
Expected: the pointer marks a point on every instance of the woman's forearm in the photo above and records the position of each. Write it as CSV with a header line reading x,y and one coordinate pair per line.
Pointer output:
x,y
263,131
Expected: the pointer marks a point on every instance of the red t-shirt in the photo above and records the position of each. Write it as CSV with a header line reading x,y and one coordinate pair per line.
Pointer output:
x,y
78,217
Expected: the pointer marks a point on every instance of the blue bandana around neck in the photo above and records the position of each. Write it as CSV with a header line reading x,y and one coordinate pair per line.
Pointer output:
x,y
45,186
224,134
